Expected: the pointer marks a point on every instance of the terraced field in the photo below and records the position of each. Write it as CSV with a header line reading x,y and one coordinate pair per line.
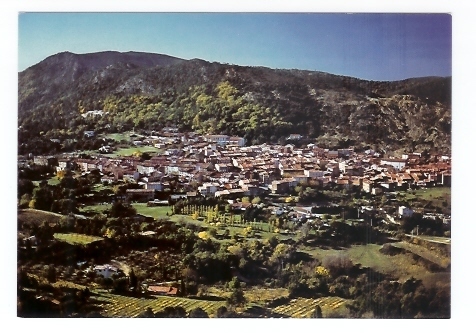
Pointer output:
x,y
255,295
304,307
118,306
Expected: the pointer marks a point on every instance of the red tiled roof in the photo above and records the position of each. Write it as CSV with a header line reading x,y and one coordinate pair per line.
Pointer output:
x,y
163,290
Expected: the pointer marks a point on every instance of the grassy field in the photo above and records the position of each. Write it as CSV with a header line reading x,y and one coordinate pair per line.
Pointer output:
x,y
96,208
51,181
442,240
423,252
401,266
438,196
131,150
100,187
28,216
331,306
433,193
119,136
156,212
77,239
130,307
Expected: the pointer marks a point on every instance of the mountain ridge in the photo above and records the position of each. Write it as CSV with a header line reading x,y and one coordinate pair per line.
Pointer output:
x,y
211,97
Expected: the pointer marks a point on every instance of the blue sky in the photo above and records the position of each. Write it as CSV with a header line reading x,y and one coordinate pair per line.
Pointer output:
x,y
370,46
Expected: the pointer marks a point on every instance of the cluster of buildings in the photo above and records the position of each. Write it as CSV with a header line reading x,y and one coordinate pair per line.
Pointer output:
x,y
222,166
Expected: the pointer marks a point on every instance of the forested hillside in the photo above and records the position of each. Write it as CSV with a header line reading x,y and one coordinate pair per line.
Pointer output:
x,y
149,91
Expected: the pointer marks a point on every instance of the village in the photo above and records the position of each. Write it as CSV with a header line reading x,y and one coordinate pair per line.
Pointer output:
x,y
296,193
221,166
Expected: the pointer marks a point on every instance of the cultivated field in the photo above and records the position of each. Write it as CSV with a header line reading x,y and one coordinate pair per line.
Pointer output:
x,y
331,306
255,295
130,307
34,216
77,239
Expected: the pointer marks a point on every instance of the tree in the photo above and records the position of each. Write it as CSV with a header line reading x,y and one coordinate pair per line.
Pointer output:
x,y
212,232
51,274
221,312
337,264
237,297
120,285
25,186
148,313
42,198
133,280
317,313
304,230
198,313
172,312
256,201
120,209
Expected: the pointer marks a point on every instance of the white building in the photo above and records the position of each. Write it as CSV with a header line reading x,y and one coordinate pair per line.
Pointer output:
x,y
208,189
154,186
404,212
314,173
236,140
397,163
105,270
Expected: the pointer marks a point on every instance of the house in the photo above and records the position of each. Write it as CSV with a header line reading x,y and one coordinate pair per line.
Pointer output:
x,y
282,186
294,137
230,194
344,184
397,163
142,195
223,167
241,206
236,140
177,197
446,179
377,190
208,189
64,163
92,113
154,186
345,152
301,179
89,134
217,138
172,170
404,212
332,154
45,160
105,270
314,173
163,290
146,168
251,190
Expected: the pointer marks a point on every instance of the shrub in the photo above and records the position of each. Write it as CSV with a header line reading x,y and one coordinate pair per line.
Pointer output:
x,y
337,264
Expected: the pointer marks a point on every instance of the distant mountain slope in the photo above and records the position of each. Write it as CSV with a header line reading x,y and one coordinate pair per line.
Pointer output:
x,y
148,91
